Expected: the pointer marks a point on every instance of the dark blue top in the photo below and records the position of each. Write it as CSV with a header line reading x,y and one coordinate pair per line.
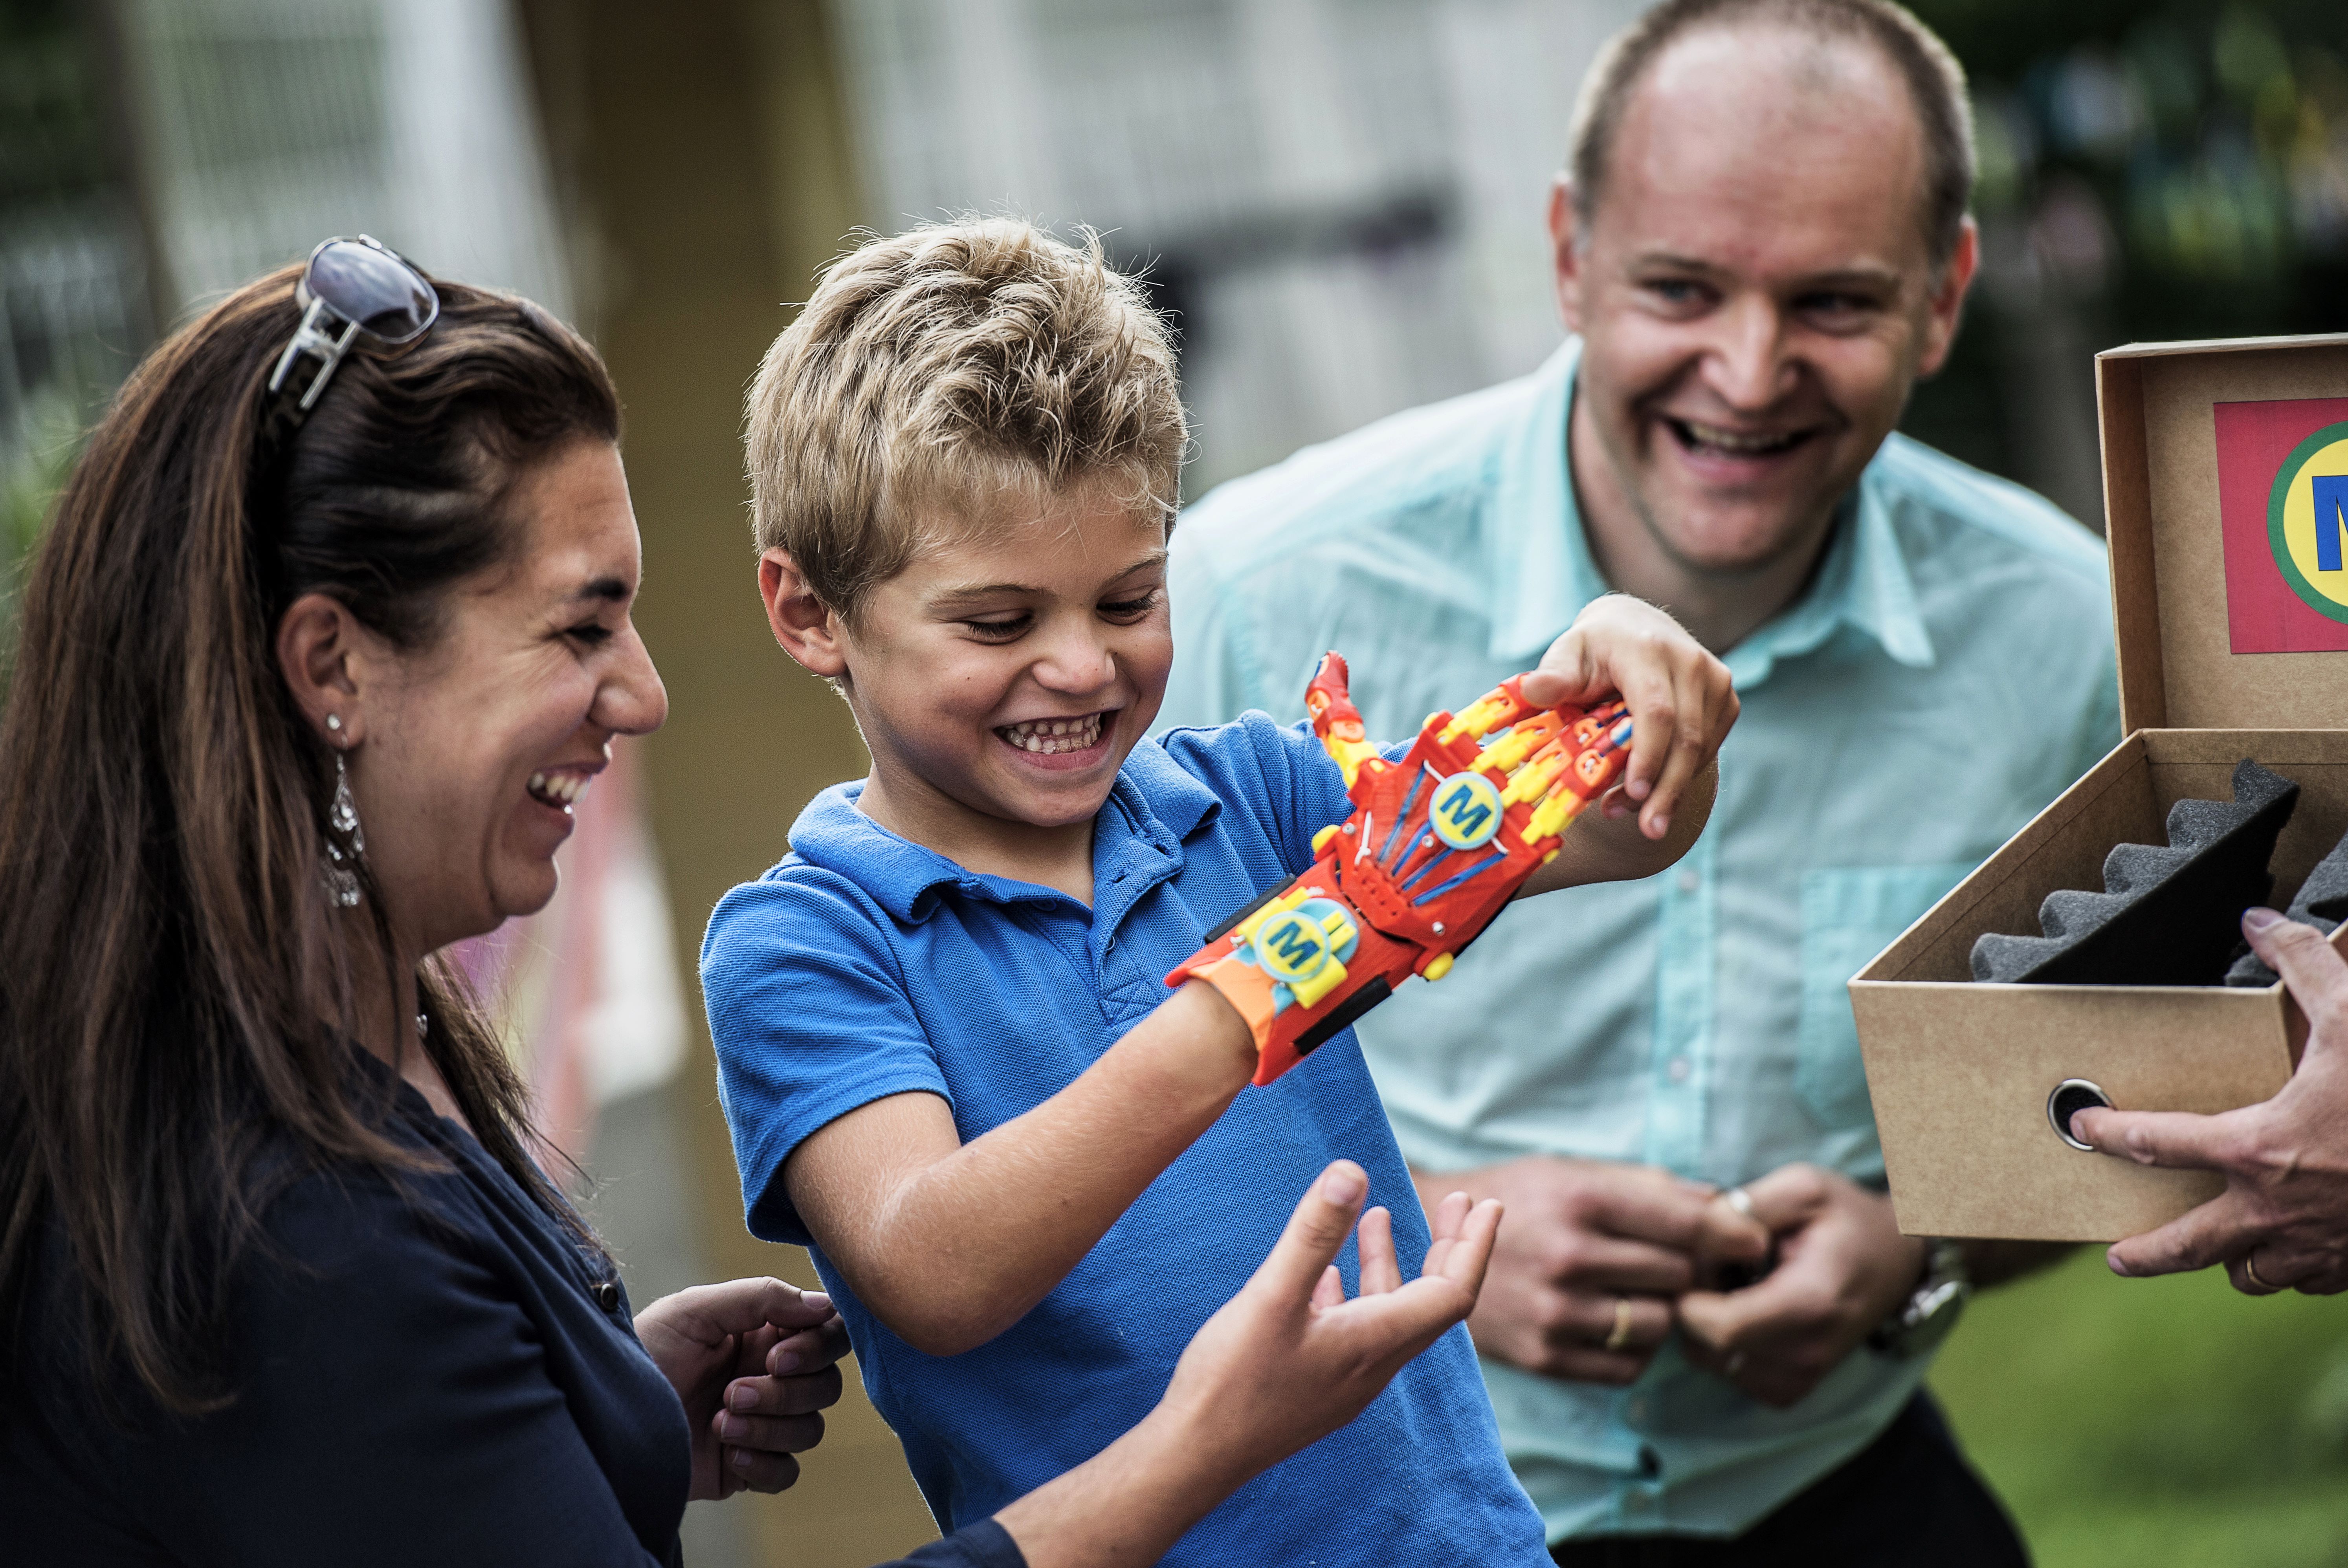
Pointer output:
x,y
865,966
422,1376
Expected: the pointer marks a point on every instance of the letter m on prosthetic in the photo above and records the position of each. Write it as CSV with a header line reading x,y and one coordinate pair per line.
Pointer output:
x,y
2330,518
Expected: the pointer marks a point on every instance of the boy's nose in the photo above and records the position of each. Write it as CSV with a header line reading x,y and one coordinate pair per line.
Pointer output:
x,y
1074,663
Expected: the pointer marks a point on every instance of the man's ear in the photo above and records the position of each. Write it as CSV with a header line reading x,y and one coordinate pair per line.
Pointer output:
x,y
1945,307
319,652
1565,238
808,630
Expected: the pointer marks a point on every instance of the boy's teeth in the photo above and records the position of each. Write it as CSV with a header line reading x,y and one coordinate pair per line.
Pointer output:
x,y
1048,737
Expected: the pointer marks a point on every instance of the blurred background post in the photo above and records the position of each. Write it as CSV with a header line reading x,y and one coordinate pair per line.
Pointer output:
x,y
1340,200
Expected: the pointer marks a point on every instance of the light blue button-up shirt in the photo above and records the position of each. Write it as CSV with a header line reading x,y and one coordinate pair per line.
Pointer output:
x,y
1948,672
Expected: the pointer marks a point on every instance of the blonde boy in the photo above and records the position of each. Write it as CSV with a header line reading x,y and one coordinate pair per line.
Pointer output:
x,y
1026,1172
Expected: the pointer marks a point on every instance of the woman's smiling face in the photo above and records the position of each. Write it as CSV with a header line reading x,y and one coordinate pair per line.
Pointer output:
x,y
474,746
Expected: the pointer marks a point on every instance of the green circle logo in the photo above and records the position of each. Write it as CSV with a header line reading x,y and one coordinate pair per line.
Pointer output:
x,y
2307,521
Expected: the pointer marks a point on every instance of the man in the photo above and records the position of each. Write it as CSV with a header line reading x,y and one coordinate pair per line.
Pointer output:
x,y
1760,244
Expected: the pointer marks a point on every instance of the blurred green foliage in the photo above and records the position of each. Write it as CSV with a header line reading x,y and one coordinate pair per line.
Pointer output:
x,y
2133,1422
2149,172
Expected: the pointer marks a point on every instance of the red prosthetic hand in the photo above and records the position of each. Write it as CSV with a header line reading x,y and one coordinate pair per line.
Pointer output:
x,y
1438,845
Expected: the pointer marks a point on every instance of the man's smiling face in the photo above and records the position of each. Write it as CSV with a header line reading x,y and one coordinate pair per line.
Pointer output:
x,y
1755,292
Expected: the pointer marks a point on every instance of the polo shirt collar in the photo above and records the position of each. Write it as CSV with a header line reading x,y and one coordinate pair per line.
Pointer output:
x,y
1543,574
1163,803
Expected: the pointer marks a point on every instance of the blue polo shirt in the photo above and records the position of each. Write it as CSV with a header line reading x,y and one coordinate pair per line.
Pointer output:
x,y
865,966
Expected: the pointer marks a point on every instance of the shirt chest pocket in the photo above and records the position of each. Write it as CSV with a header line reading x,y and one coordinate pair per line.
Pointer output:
x,y
1849,914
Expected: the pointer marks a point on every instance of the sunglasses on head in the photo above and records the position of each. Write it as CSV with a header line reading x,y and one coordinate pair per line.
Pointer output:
x,y
352,287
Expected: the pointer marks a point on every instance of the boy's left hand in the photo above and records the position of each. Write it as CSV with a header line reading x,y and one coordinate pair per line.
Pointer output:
x,y
1681,699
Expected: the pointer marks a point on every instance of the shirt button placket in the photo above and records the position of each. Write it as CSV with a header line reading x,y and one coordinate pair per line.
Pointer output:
x,y
1685,948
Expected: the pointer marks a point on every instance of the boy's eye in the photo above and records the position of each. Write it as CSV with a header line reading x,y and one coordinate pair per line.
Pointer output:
x,y
1130,609
999,627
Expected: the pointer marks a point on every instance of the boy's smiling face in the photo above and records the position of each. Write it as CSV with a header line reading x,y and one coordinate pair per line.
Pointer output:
x,y
1005,679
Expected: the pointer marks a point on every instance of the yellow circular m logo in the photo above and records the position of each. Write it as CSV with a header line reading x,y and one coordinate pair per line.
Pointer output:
x,y
2307,521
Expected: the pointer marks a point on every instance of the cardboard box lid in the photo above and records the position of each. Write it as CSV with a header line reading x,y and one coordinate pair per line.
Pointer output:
x,y
2177,624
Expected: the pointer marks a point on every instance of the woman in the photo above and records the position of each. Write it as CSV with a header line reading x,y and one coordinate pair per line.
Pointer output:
x,y
330,630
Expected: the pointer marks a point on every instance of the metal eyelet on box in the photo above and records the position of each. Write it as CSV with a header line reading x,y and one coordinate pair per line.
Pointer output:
x,y
606,1293
2070,1097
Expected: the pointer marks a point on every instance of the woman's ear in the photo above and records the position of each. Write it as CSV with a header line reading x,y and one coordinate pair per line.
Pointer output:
x,y
316,644
807,629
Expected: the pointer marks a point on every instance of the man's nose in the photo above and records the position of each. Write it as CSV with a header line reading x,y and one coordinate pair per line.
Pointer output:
x,y
1748,366
633,700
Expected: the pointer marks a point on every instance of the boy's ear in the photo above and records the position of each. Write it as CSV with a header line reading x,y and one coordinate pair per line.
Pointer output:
x,y
807,629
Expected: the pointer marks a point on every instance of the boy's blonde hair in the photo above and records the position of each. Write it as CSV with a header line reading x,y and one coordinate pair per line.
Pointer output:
x,y
940,369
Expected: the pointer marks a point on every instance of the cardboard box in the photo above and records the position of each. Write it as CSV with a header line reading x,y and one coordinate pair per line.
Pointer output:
x,y
2215,583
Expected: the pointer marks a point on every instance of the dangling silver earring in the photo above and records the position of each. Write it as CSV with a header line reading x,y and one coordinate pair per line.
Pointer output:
x,y
341,865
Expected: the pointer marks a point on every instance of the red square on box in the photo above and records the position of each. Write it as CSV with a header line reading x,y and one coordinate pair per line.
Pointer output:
x,y
2283,496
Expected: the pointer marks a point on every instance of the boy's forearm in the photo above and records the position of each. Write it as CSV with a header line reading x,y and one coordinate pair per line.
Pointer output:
x,y
1599,848
966,1244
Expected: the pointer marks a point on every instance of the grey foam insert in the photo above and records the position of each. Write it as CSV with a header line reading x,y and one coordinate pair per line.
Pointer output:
x,y
2169,915
2322,902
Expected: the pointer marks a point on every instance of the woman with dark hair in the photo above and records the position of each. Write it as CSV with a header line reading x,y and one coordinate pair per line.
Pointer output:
x,y
330,630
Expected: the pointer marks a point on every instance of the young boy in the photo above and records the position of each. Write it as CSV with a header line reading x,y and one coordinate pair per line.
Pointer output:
x,y
1027,1173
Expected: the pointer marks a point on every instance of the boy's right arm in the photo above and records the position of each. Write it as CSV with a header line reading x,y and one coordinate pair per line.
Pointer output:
x,y
950,1244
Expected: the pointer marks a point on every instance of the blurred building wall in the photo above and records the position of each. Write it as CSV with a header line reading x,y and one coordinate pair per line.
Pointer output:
x,y
1341,199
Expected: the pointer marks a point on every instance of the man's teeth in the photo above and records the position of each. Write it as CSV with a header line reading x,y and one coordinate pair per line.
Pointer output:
x,y
562,789
1736,441
1049,736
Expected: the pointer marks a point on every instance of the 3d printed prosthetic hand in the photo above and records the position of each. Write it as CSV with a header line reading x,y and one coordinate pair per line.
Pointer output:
x,y
1438,845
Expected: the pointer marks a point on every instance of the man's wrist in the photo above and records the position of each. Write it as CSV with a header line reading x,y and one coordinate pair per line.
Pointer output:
x,y
1921,1318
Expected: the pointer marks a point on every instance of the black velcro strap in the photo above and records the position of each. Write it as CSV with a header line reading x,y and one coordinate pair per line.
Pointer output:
x,y
1352,1008
1225,929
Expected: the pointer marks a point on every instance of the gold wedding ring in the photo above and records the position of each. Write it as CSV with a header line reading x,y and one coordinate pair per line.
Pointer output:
x,y
2249,1272
1618,1337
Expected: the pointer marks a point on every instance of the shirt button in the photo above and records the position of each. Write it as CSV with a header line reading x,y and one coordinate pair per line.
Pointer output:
x,y
607,1295
1679,1068
1689,882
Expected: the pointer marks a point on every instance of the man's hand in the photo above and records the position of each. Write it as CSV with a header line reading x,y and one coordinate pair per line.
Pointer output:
x,y
2281,1224
1592,1253
1842,1267
1681,699
753,1362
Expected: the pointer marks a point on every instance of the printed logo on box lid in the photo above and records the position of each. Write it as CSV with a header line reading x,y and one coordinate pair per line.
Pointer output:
x,y
2282,501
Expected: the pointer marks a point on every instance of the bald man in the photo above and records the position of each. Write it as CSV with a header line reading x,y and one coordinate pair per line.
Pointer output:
x,y
1760,243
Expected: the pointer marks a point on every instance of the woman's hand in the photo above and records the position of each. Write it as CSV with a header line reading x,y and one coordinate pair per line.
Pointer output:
x,y
2281,1224
753,1362
1287,1360
1681,699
